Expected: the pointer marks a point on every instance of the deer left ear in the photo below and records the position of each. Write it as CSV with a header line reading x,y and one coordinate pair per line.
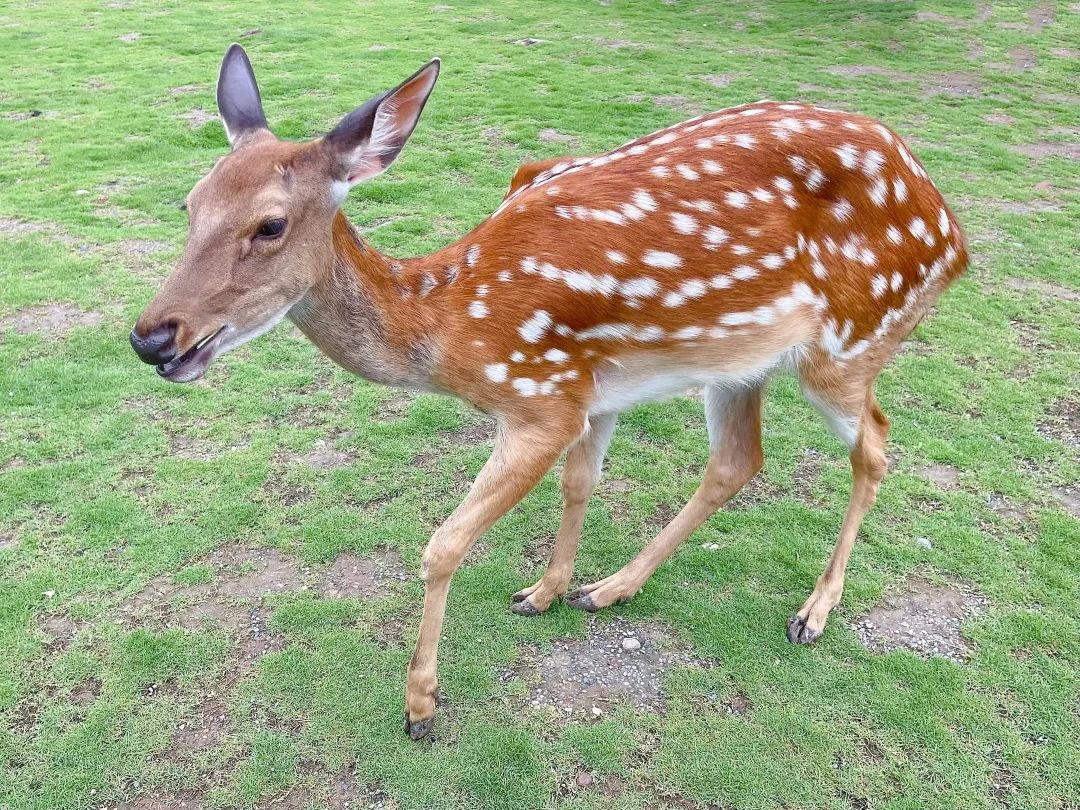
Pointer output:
x,y
369,138
238,97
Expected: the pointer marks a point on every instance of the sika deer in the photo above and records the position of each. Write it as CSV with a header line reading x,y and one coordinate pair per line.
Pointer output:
x,y
713,252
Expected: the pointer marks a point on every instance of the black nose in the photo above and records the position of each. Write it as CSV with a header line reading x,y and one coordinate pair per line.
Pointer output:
x,y
157,347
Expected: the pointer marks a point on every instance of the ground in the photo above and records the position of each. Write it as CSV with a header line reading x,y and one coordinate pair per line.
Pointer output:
x,y
209,593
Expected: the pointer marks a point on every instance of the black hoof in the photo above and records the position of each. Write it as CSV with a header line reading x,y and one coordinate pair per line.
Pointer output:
x,y
799,633
418,729
525,608
582,601
520,596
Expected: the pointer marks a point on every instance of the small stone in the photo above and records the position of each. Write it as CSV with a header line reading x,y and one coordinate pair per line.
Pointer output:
x,y
631,644
48,594
597,711
584,779
924,543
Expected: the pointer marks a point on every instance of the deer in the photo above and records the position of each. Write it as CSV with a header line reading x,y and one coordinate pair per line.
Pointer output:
x,y
716,252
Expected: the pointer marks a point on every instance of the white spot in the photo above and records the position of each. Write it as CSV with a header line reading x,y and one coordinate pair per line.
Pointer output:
x,y
819,269
737,199
848,154
533,329
917,228
899,188
893,234
704,206
616,256
763,195
687,172
556,356
505,275
472,255
661,171
842,210
720,282
668,138
896,282
661,259
478,309
815,179
711,167
943,222
798,163
525,386
644,200
482,290
644,287
772,261
714,236
852,126
872,162
745,141
879,191
744,272
688,333
684,223
496,372
741,250
517,357
783,184
878,286
632,211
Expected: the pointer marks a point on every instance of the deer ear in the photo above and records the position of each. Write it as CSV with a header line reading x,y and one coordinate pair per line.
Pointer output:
x,y
238,97
368,139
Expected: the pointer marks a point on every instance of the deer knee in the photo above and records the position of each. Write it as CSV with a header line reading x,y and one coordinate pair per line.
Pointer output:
x,y
441,557
577,483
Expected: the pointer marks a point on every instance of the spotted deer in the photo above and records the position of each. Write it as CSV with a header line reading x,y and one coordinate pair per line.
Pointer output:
x,y
714,252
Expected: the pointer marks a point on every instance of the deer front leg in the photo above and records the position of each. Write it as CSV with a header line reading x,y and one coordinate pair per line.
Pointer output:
x,y
521,457
580,474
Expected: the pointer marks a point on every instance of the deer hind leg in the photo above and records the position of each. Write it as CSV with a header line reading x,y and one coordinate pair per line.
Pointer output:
x,y
735,456
580,474
860,423
521,458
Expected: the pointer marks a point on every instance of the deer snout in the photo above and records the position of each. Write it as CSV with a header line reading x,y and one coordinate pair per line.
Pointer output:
x,y
156,347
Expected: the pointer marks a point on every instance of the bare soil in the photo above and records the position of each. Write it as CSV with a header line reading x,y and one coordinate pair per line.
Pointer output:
x,y
922,617
50,319
943,475
579,675
932,16
1044,287
1068,497
1046,149
549,135
956,83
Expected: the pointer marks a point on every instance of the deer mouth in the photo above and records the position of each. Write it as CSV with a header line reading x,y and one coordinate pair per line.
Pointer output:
x,y
193,363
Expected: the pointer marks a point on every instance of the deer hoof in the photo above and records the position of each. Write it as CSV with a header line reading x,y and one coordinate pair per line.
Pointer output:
x,y
798,632
582,601
418,729
525,608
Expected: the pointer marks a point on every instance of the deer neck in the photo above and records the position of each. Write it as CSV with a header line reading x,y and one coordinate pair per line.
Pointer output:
x,y
364,313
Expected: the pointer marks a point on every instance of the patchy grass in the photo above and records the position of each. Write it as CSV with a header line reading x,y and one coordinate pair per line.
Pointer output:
x,y
200,592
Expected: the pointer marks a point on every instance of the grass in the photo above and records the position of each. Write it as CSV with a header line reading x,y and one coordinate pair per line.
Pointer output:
x,y
111,478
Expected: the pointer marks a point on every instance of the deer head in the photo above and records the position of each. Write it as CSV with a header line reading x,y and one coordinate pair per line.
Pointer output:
x,y
259,233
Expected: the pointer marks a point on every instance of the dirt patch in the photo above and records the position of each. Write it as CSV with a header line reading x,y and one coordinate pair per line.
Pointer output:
x,y
16,227
86,692
198,117
394,407
1047,149
352,576
617,663
1069,497
184,89
1043,287
549,135
944,476
869,70
322,457
924,618
716,79
932,16
1041,16
957,84
1063,423
1023,58
681,103
50,319
60,631
1032,207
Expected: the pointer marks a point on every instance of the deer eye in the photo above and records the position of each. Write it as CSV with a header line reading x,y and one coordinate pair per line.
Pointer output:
x,y
272,228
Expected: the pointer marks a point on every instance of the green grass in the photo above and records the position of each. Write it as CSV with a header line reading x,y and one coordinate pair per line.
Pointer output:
x,y
93,505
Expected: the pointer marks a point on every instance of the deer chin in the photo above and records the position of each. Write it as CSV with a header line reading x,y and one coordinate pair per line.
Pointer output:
x,y
193,363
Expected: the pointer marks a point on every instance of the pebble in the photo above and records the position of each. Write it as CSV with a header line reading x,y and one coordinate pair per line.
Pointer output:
x,y
924,542
584,779
597,711
630,644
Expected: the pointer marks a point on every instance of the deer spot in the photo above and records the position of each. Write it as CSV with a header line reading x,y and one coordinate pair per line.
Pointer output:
x,y
924,618
51,320
617,663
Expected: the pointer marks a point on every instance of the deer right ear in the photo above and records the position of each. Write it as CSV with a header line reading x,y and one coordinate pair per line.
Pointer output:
x,y
238,97
368,139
